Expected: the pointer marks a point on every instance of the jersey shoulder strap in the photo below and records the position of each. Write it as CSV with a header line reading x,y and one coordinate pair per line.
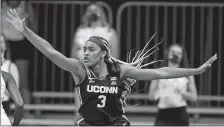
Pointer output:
x,y
116,70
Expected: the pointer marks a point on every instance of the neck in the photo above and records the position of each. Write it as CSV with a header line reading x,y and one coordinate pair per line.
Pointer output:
x,y
96,23
170,64
100,69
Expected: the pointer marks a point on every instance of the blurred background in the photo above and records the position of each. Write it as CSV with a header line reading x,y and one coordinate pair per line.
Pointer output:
x,y
49,91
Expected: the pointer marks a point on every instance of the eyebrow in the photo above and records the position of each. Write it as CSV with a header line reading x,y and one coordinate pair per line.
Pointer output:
x,y
88,47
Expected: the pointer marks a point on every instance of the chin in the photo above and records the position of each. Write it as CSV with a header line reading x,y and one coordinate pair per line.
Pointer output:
x,y
88,64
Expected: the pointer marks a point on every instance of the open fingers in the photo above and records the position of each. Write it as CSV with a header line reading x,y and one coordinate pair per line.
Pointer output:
x,y
9,20
11,11
215,56
9,14
14,10
212,59
16,14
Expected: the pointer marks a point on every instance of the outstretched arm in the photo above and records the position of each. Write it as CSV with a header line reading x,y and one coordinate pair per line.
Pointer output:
x,y
42,45
59,59
16,97
164,73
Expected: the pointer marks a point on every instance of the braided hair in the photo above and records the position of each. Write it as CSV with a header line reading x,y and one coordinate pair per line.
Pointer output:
x,y
137,60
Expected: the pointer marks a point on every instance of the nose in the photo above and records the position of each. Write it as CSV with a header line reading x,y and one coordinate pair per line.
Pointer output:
x,y
86,53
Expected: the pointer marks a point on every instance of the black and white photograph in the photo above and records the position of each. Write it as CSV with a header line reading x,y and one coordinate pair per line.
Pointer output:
x,y
112,63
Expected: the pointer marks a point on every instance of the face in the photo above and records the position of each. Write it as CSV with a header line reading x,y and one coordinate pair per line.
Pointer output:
x,y
175,54
92,54
93,12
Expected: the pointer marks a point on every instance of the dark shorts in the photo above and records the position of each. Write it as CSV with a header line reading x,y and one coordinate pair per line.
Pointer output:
x,y
172,117
6,106
122,121
21,49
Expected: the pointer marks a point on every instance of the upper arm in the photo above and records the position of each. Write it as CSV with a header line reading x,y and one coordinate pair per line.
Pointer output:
x,y
68,64
15,73
191,86
12,88
141,74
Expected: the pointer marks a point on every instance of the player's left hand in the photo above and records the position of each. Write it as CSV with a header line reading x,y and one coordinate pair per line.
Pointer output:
x,y
207,64
15,20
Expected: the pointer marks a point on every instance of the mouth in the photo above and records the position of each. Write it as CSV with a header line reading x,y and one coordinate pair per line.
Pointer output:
x,y
86,59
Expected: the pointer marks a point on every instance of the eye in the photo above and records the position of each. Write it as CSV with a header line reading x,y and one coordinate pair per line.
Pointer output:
x,y
92,49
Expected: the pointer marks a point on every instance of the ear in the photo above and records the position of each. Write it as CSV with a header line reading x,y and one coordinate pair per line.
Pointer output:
x,y
104,53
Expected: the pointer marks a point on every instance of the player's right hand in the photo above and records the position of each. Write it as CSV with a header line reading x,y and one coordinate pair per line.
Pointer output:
x,y
15,20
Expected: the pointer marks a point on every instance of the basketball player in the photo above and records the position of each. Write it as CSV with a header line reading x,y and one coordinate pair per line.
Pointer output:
x,y
8,82
173,94
11,68
99,77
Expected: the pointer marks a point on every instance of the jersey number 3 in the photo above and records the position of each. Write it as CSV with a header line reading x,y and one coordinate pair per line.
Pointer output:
x,y
103,101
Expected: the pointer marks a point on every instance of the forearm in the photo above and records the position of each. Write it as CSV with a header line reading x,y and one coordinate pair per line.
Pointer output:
x,y
189,96
18,115
37,41
168,72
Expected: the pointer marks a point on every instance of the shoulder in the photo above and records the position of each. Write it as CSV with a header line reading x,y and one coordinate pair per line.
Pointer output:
x,y
8,64
112,30
79,74
12,65
125,68
13,69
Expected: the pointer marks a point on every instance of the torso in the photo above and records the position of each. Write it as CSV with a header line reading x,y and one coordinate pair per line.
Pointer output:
x,y
168,98
4,118
101,98
6,67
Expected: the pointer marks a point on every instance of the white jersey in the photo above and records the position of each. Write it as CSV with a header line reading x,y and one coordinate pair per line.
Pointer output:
x,y
11,68
4,118
168,98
